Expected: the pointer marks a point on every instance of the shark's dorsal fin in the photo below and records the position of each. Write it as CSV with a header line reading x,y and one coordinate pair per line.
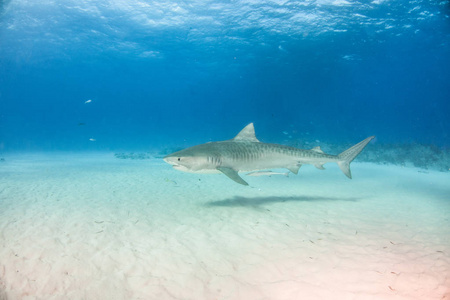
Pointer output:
x,y
246,135
317,149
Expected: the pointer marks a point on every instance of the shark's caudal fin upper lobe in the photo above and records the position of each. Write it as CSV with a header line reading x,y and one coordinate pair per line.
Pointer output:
x,y
346,157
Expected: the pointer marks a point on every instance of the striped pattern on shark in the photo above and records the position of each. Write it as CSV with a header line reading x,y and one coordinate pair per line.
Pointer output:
x,y
246,153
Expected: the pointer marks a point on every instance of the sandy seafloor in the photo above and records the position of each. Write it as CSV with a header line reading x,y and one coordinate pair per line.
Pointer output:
x,y
91,226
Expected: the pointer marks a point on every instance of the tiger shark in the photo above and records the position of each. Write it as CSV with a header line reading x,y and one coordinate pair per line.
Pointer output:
x,y
246,153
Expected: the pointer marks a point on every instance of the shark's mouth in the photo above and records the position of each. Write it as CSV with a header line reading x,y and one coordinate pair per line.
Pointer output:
x,y
186,169
176,166
179,167
196,171
174,162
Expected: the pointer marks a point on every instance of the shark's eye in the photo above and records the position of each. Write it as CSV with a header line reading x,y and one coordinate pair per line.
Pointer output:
x,y
179,159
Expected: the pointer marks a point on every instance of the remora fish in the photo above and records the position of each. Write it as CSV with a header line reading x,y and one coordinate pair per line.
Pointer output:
x,y
246,153
266,173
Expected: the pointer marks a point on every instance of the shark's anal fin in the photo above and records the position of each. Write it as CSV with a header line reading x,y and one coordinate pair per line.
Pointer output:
x,y
319,166
232,174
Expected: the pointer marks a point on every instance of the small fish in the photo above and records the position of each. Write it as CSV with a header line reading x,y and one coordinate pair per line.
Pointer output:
x,y
88,101
266,173
92,140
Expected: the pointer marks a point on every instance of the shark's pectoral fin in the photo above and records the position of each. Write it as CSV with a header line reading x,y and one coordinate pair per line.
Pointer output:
x,y
232,174
294,168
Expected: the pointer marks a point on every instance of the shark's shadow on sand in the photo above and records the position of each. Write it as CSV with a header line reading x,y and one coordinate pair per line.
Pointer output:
x,y
255,202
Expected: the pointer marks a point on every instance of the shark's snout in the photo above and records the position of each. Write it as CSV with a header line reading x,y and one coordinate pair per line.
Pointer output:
x,y
175,162
171,160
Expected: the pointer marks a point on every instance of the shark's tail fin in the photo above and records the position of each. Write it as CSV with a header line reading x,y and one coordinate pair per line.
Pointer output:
x,y
346,157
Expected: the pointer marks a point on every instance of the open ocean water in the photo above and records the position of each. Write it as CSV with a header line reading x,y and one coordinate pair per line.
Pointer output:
x,y
94,93
166,72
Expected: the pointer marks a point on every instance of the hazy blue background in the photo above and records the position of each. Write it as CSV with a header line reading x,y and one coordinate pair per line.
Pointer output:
x,y
177,73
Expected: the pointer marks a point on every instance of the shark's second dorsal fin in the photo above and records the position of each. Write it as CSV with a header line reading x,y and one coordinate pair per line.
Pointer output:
x,y
317,149
246,135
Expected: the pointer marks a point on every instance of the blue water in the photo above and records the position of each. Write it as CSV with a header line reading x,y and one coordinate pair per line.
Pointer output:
x,y
166,74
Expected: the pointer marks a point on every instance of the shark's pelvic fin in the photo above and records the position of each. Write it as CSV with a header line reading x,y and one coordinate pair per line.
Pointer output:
x,y
246,135
294,168
346,157
232,174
